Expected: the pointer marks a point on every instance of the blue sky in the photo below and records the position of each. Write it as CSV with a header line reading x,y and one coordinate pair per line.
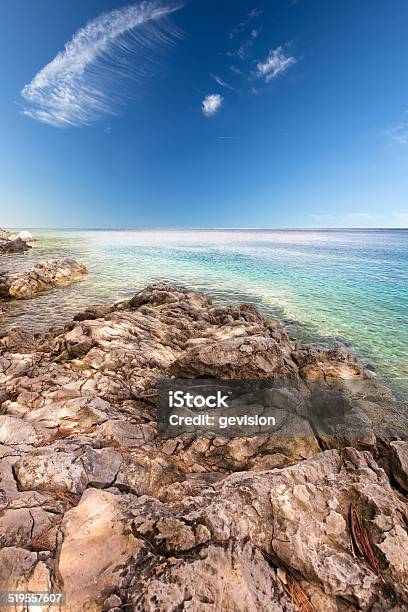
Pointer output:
x,y
306,126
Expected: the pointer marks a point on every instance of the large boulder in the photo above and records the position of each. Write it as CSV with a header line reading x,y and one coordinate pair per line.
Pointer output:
x,y
41,277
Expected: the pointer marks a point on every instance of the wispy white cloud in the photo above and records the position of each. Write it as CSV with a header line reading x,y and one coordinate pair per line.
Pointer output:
x,y
212,104
254,33
218,80
81,83
276,63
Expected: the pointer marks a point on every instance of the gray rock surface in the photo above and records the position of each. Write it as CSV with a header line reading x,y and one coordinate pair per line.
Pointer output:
x,y
94,502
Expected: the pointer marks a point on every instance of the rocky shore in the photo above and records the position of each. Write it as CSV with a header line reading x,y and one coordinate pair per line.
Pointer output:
x,y
41,277
95,503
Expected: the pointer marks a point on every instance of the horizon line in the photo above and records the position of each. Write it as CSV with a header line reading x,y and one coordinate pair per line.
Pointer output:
x,y
177,229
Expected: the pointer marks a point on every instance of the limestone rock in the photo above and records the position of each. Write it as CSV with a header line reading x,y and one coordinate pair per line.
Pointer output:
x,y
250,357
335,364
299,517
56,471
42,277
20,524
16,566
96,502
15,431
95,548
233,576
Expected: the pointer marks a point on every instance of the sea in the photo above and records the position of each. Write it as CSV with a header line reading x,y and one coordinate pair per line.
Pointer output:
x,y
329,287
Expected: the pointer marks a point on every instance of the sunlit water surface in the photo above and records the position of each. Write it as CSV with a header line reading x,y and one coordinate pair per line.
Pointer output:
x,y
328,286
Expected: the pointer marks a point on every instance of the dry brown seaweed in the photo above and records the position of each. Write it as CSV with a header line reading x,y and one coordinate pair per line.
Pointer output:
x,y
42,541
361,541
291,586
297,594
61,434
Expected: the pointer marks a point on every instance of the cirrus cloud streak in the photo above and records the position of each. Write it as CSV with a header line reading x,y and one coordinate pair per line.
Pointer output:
x,y
86,80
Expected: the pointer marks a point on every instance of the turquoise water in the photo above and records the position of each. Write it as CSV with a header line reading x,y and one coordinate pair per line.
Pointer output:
x,y
348,286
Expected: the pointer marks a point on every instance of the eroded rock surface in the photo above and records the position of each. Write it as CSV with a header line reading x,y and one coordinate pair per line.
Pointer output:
x,y
41,277
94,502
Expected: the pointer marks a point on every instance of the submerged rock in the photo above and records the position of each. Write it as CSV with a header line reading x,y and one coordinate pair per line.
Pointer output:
x,y
43,276
95,502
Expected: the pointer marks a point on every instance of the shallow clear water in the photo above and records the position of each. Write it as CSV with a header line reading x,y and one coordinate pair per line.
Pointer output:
x,y
348,286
